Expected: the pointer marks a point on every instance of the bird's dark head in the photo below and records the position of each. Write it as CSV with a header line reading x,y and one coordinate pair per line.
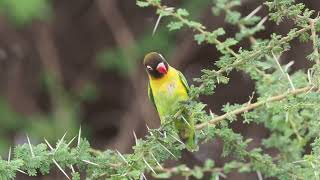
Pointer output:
x,y
155,64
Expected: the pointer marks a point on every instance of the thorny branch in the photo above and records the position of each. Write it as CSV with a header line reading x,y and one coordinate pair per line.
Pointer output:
x,y
253,106
239,59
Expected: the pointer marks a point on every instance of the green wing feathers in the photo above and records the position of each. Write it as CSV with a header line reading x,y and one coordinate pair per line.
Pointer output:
x,y
150,95
187,131
184,81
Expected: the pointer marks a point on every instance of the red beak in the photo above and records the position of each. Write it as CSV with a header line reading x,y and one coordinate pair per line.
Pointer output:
x,y
161,68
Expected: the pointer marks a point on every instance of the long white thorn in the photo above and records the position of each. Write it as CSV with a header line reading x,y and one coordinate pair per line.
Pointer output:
x,y
286,68
149,130
45,140
30,146
185,121
290,81
299,161
282,71
168,151
316,174
89,162
253,12
9,155
277,62
79,136
222,175
59,143
158,22
156,160
310,76
211,114
156,25
259,175
144,177
262,21
135,138
177,139
22,172
72,169
56,163
149,166
71,140
202,132
122,157
312,87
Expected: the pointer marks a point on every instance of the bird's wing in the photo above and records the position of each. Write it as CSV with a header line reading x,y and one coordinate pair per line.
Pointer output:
x,y
184,81
150,95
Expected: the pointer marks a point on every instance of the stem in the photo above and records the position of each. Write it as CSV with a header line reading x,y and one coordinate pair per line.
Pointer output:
x,y
185,22
239,59
314,39
252,106
295,130
258,53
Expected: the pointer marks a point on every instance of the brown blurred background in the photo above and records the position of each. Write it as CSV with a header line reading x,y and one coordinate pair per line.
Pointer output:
x,y
66,63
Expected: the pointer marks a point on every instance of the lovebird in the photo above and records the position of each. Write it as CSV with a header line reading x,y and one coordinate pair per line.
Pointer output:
x,y
167,87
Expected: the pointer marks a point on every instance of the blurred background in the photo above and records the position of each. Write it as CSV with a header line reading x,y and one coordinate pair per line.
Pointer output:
x,y
71,63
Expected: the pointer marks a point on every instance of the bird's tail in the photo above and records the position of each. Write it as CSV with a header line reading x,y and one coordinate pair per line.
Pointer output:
x,y
191,142
188,136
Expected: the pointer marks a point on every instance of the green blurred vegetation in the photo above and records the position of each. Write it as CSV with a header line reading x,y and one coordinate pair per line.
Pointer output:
x,y
24,12
64,113
124,61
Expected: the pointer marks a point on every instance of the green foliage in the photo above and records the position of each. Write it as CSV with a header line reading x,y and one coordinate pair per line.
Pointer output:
x,y
124,60
23,12
288,105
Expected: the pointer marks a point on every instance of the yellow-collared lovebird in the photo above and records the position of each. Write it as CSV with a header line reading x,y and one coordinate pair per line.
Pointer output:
x,y
167,87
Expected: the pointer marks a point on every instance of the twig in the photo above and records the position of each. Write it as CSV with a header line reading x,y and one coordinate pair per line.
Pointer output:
x,y
252,106
9,155
282,71
239,59
255,11
122,157
315,40
60,168
149,166
294,127
30,146
185,21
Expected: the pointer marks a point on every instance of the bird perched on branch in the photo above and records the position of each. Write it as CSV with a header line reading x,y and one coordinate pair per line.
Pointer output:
x,y
167,87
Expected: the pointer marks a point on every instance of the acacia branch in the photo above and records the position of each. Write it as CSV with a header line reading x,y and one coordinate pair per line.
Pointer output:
x,y
200,29
239,60
315,39
253,106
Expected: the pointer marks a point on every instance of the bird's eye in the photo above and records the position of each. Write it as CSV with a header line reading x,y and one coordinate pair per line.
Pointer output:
x,y
149,68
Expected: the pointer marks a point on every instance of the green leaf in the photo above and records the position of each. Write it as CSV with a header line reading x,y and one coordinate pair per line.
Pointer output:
x,y
165,175
24,12
182,12
197,173
175,25
209,164
200,38
142,4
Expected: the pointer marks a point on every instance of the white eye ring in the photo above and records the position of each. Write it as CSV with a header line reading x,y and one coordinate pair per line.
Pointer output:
x,y
149,68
